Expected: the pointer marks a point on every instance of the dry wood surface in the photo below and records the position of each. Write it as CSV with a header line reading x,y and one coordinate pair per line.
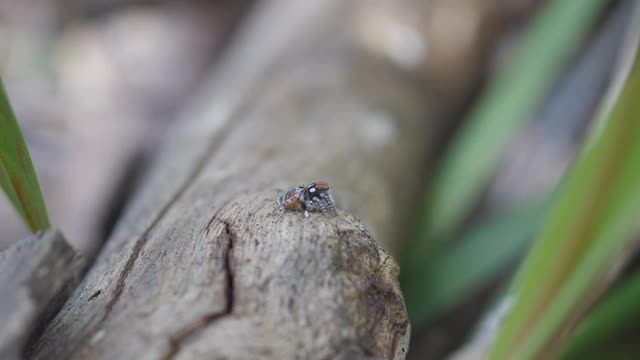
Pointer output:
x,y
204,265
37,275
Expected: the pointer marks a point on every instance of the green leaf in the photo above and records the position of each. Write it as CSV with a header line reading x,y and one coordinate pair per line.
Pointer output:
x,y
475,259
502,110
17,176
618,313
589,226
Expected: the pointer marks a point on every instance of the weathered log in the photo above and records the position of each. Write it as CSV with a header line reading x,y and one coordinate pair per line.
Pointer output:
x,y
204,265
36,276
85,170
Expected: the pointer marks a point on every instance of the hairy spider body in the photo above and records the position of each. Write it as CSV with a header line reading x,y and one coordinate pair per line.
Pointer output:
x,y
317,196
314,197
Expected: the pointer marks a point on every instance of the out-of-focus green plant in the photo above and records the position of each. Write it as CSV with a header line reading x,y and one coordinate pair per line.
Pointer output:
x,y
600,333
17,176
553,36
476,258
470,160
589,227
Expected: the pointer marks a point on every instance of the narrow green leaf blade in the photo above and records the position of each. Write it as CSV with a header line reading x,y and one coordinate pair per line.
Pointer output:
x,y
589,225
5,184
17,176
476,259
617,313
503,108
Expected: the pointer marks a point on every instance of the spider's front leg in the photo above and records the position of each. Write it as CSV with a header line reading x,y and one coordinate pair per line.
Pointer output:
x,y
321,205
328,201
303,204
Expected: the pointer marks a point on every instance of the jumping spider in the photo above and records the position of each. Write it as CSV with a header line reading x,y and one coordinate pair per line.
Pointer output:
x,y
316,196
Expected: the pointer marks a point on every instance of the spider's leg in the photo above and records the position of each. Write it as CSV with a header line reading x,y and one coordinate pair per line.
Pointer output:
x,y
321,205
304,205
328,201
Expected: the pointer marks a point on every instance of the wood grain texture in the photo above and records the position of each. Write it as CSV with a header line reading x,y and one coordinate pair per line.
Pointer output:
x,y
204,265
36,275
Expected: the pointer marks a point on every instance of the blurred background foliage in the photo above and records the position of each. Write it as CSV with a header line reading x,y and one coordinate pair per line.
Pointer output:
x,y
533,169
583,231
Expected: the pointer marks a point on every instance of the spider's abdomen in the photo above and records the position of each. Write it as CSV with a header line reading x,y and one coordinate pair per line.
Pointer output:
x,y
291,199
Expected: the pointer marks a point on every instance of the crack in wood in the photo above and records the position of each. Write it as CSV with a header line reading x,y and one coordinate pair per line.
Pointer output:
x,y
121,282
95,295
176,340
215,144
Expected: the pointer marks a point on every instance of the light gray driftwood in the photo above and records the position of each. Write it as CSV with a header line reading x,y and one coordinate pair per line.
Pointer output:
x,y
203,265
36,275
